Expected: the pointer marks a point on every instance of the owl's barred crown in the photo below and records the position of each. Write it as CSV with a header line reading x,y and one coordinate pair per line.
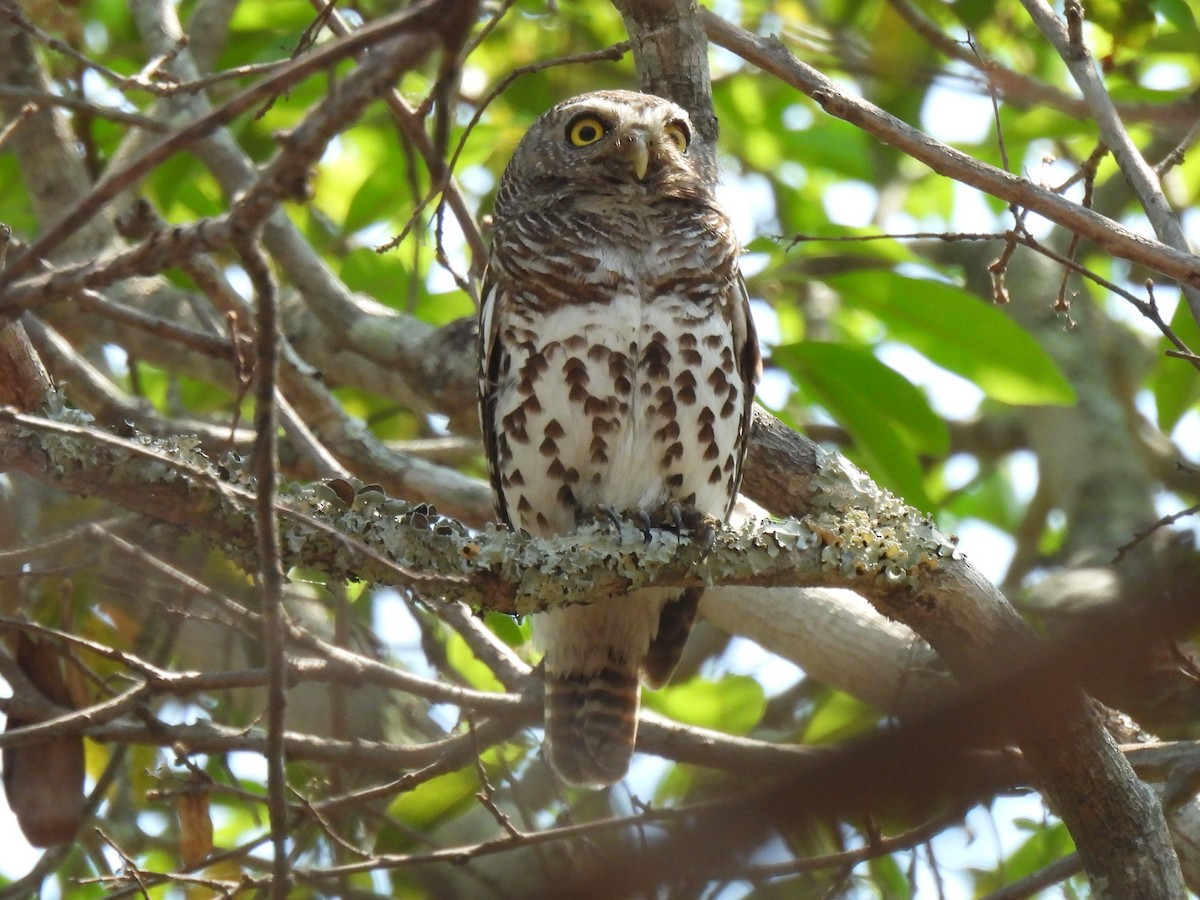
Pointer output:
x,y
621,144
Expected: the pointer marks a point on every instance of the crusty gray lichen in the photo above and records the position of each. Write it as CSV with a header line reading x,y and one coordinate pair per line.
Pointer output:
x,y
867,532
69,450
861,537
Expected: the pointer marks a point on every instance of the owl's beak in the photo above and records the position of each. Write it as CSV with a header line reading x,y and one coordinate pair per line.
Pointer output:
x,y
637,152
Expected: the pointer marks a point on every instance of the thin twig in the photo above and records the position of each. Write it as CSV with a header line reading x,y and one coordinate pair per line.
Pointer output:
x,y
1107,234
17,121
1032,885
265,465
421,17
129,866
616,51
1023,91
412,127
1067,40
876,847
1179,151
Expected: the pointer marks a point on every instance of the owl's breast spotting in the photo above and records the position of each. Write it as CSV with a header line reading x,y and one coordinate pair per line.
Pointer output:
x,y
625,394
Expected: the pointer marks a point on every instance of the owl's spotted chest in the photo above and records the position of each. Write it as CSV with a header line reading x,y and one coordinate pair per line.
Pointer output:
x,y
629,399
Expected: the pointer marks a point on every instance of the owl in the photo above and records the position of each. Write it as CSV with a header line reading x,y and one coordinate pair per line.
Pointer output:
x,y
617,362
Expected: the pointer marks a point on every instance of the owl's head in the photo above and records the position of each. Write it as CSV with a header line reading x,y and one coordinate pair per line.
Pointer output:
x,y
607,143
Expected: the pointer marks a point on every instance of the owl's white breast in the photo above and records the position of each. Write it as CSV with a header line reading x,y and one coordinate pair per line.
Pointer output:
x,y
661,435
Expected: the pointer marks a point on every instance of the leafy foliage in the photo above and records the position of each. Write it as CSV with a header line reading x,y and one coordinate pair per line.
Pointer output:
x,y
1055,420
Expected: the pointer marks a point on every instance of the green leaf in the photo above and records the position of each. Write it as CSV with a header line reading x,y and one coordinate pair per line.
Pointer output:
x,y
373,175
989,498
384,276
1176,383
854,372
514,632
959,332
1178,13
836,146
435,799
1045,844
974,13
838,717
476,673
890,878
890,420
734,704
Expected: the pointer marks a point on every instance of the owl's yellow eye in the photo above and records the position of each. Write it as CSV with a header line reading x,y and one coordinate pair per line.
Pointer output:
x,y
585,130
677,134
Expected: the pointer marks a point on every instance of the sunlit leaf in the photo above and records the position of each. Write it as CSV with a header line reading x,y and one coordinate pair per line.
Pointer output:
x,y
837,717
835,145
512,631
990,498
889,418
852,377
1046,843
1179,13
1176,383
436,798
733,704
892,880
476,672
962,333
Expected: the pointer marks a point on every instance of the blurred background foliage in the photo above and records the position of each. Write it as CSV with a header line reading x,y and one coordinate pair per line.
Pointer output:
x,y
882,339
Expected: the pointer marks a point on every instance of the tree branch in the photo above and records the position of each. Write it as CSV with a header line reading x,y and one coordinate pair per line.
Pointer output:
x,y
1076,761
1141,177
1112,237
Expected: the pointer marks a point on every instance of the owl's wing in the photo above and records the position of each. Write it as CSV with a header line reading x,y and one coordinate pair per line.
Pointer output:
x,y
745,343
491,355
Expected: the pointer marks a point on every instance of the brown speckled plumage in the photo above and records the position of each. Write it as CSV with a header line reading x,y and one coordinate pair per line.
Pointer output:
x,y
617,367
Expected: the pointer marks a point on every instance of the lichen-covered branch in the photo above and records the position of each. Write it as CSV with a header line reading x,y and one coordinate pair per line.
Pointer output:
x,y
365,535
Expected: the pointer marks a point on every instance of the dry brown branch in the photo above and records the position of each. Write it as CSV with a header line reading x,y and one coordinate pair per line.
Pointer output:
x,y
265,465
98,110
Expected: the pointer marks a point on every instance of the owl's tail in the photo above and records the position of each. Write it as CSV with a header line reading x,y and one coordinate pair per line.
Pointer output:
x,y
591,724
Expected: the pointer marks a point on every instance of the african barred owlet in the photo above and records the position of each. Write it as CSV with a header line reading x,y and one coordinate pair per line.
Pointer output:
x,y
617,369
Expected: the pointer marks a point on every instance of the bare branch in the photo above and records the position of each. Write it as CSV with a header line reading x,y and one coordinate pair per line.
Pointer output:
x,y
1110,236
1068,41
285,175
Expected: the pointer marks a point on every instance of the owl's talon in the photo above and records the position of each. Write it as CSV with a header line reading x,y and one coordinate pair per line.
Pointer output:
x,y
644,522
675,513
601,512
700,527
